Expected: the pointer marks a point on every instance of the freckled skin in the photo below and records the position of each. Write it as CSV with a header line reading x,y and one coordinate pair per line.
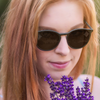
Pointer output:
x,y
61,16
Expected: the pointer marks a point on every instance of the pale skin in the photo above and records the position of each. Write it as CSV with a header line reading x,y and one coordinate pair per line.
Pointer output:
x,y
62,17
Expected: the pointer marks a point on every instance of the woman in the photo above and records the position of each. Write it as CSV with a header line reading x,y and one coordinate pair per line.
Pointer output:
x,y
47,37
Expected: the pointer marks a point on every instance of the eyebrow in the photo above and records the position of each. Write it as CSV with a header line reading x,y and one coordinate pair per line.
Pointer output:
x,y
46,28
77,26
51,28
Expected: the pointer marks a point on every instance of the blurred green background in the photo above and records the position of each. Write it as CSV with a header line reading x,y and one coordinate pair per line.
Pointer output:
x,y
3,7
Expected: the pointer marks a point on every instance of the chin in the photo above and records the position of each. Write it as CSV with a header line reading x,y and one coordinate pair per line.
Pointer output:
x,y
58,76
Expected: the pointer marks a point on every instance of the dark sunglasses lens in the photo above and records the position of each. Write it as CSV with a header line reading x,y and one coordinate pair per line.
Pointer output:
x,y
78,39
47,40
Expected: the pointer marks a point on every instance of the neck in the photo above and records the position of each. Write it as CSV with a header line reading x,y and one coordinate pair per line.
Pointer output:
x,y
46,88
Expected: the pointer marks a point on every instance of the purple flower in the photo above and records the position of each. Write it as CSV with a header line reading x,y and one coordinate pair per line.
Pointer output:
x,y
64,90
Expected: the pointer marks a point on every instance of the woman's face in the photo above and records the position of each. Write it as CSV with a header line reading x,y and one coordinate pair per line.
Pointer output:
x,y
62,16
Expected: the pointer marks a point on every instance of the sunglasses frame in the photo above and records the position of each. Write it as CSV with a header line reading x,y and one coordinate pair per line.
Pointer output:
x,y
60,34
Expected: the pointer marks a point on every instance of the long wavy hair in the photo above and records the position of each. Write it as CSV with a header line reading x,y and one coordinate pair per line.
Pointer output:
x,y
20,80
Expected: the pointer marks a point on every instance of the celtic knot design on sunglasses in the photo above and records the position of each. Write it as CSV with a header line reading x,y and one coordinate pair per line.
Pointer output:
x,y
76,39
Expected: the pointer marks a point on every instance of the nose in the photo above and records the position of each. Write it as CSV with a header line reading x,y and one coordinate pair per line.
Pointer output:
x,y
62,48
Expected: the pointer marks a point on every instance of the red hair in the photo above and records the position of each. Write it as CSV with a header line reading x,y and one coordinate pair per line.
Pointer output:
x,y
19,74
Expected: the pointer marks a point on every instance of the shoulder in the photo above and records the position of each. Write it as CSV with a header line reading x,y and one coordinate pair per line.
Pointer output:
x,y
1,98
96,85
96,79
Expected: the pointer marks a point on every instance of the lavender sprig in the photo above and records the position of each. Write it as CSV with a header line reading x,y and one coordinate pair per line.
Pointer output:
x,y
63,90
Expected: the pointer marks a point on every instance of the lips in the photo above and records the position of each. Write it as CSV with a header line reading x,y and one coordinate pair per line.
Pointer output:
x,y
60,65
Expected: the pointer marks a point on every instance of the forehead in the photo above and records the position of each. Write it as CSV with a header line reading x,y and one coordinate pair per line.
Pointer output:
x,y
62,14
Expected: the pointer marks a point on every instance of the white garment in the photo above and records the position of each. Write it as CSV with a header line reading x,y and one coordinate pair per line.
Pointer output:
x,y
96,85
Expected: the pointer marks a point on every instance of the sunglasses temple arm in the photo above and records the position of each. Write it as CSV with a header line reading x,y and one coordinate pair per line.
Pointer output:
x,y
89,25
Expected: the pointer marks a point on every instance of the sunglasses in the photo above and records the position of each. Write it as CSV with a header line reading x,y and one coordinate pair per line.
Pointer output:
x,y
76,39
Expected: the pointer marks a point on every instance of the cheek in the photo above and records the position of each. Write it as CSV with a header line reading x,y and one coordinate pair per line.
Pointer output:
x,y
42,58
77,54
42,62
